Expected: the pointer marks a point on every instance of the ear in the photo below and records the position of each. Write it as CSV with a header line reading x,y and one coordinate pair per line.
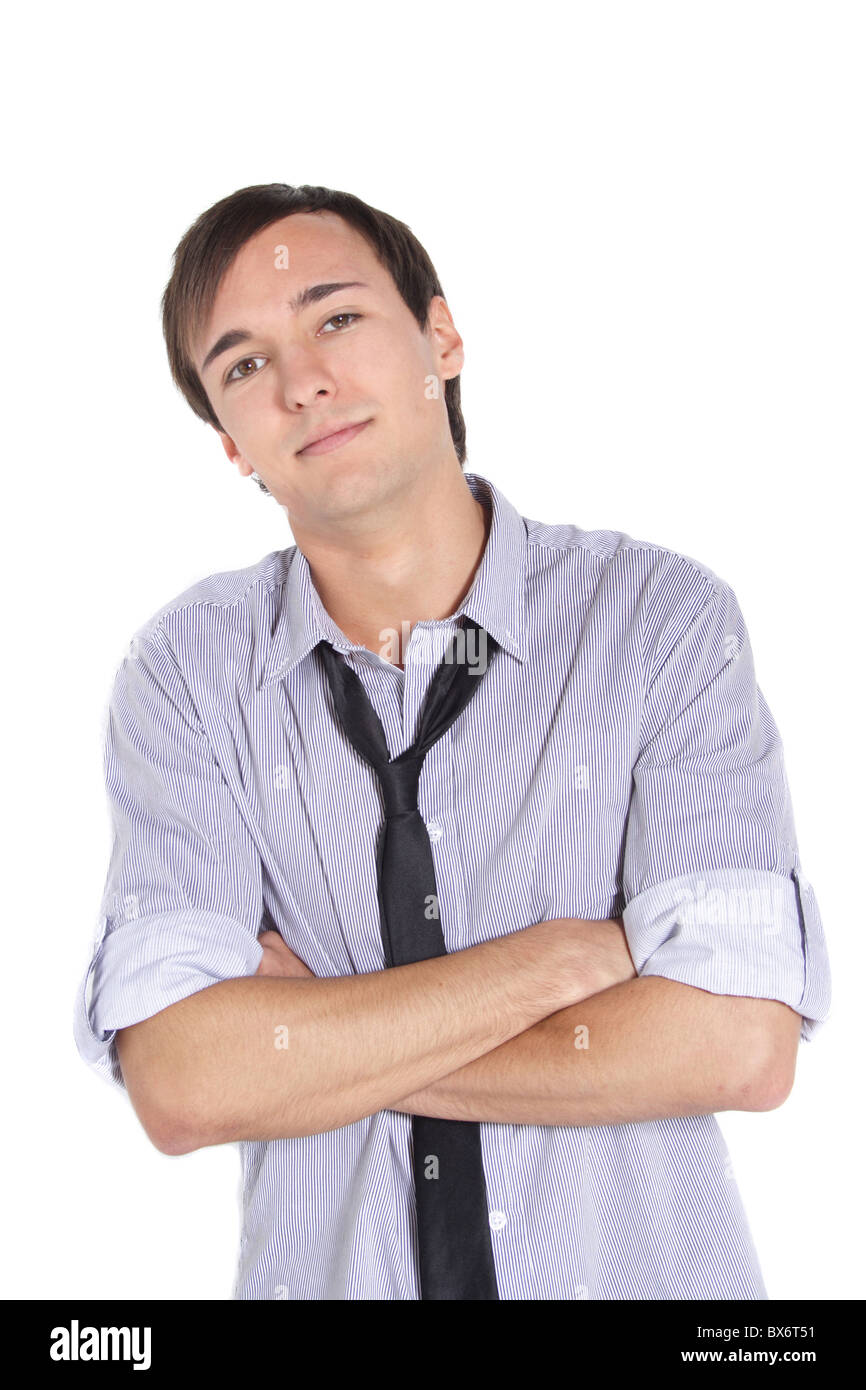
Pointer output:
x,y
446,341
234,454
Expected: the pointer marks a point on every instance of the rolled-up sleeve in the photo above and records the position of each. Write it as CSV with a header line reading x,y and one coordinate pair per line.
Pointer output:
x,y
714,890
182,905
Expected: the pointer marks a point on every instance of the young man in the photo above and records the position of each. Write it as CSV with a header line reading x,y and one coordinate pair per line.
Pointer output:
x,y
597,833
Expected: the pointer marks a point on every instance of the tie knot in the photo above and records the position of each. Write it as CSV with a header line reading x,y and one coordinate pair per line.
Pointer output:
x,y
399,781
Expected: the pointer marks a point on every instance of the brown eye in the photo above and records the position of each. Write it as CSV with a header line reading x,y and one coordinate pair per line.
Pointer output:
x,y
342,316
244,375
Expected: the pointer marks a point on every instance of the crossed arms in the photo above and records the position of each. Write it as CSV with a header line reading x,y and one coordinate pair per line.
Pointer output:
x,y
548,1025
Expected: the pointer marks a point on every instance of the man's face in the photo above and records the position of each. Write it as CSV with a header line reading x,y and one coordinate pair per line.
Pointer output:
x,y
355,356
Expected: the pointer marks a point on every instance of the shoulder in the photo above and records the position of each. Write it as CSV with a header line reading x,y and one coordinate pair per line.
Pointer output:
x,y
636,576
227,601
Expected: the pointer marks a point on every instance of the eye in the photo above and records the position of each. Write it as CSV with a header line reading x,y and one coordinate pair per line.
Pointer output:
x,y
342,316
244,375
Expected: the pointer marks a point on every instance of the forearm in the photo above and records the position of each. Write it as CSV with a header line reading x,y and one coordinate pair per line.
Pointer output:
x,y
213,1068
645,1049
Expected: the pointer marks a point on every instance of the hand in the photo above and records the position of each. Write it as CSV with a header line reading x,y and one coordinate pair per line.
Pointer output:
x,y
280,959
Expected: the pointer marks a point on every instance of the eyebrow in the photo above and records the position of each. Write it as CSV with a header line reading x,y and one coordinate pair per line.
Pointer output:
x,y
311,295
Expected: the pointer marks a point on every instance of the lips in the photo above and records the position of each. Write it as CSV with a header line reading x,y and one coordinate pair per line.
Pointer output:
x,y
332,441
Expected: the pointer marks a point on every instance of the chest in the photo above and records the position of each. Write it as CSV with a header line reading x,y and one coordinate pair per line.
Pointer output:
x,y
525,798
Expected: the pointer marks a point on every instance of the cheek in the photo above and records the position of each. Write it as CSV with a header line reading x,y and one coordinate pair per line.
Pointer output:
x,y
419,388
400,365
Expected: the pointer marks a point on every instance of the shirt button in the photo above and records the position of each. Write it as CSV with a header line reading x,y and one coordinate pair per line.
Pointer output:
x,y
497,1220
434,830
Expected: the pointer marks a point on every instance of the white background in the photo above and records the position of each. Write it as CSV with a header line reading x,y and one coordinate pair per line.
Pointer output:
x,y
648,220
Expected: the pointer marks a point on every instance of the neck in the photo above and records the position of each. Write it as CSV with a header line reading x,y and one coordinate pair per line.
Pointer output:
x,y
411,556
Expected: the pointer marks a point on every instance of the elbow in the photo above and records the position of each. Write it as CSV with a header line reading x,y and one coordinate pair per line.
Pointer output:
x,y
781,1065
771,1044
769,1097
767,1087
168,1134
169,1129
174,1144
152,1083
776,1090
176,1128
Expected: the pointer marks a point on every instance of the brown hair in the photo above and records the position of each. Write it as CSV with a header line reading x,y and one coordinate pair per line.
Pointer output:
x,y
208,247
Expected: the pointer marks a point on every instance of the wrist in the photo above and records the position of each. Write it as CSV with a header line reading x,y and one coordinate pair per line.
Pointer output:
x,y
569,971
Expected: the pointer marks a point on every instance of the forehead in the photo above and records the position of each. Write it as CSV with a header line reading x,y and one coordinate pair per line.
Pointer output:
x,y
311,238
288,255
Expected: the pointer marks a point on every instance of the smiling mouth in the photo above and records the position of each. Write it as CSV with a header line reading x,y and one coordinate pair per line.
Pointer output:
x,y
332,441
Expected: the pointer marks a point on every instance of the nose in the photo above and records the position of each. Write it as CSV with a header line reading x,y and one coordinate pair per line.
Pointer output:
x,y
306,379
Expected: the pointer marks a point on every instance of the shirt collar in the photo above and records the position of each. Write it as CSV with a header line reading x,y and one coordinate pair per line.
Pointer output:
x,y
496,599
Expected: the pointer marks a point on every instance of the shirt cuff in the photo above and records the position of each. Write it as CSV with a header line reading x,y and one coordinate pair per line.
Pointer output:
x,y
736,931
144,965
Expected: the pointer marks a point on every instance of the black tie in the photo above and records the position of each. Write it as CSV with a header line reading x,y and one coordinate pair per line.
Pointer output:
x,y
455,1251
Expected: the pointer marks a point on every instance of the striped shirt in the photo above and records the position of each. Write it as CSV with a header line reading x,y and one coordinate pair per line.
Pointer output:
x,y
634,770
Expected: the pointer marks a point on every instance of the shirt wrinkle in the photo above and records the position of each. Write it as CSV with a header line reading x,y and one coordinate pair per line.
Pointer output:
x,y
629,767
